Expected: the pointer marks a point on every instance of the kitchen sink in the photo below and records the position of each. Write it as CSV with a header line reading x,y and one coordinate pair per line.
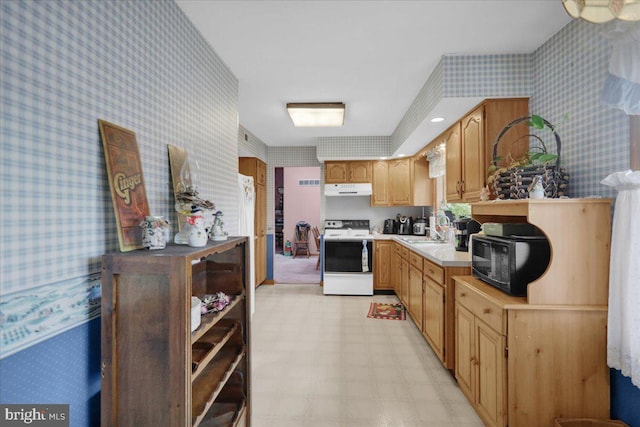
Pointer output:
x,y
421,241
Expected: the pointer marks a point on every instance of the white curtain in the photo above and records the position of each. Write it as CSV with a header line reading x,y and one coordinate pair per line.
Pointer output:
x,y
623,340
246,209
622,85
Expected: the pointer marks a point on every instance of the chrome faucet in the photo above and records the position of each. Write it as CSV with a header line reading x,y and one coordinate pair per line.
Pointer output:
x,y
442,235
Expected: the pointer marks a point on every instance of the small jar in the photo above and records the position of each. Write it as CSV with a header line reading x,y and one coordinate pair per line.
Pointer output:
x,y
154,232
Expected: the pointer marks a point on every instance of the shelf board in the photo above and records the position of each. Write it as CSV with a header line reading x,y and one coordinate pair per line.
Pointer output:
x,y
209,320
226,414
205,349
207,386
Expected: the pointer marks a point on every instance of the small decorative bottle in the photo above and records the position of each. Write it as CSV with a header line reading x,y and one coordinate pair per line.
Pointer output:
x,y
154,232
536,190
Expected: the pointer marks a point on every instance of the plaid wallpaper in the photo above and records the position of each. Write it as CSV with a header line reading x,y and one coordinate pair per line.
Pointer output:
x,y
65,64
352,147
250,145
467,76
570,69
426,100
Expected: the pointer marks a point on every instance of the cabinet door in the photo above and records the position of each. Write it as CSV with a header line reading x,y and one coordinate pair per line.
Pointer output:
x,y
434,316
382,265
490,375
415,295
380,185
261,172
400,182
404,282
261,260
465,351
335,172
473,154
359,171
260,223
397,270
453,148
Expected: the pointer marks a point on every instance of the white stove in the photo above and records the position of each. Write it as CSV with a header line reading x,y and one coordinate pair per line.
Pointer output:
x,y
348,257
347,229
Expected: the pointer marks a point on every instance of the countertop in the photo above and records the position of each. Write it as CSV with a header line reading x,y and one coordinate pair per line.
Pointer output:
x,y
443,254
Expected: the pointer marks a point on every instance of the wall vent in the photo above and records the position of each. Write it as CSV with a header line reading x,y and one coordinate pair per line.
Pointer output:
x,y
308,182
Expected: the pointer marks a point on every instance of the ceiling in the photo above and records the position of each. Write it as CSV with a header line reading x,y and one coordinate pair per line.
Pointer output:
x,y
374,56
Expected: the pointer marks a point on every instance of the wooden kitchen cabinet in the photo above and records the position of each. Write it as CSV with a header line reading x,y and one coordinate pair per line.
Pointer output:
x,y
397,269
416,289
338,172
401,182
434,316
256,168
553,341
383,260
481,368
404,276
380,194
469,146
155,371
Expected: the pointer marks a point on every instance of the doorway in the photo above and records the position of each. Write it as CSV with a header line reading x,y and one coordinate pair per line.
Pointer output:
x,y
297,201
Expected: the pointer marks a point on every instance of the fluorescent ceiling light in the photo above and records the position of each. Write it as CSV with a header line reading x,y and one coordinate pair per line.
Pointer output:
x,y
318,114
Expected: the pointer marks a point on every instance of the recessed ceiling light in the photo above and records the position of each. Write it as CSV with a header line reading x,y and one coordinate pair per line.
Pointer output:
x,y
316,114
437,119
383,158
401,155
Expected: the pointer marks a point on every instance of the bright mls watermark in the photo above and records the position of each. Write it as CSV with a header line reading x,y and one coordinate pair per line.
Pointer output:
x,y
36,415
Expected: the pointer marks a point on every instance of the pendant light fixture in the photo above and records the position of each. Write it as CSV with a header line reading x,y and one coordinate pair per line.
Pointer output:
x,y
599,11
316,114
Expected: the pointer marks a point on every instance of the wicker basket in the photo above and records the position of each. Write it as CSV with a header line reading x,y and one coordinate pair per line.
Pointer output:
x,y
587,422
514,182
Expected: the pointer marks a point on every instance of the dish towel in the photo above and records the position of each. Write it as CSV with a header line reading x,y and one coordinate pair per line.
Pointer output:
x,y
623,330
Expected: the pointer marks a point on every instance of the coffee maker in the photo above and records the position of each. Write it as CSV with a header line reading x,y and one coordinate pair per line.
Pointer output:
x,y
390,226
405,225
463,228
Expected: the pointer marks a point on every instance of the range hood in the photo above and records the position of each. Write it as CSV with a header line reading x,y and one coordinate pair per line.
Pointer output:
x,y
347,189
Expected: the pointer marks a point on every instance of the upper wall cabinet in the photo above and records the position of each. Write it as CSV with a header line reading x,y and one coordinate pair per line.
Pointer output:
x,y
402,182
352,171
469,145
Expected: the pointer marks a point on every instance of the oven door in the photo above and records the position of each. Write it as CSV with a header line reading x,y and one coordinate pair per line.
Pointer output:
x,y
345,256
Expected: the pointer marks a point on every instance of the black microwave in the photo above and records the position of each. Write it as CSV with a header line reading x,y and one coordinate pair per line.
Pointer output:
x,y
509,263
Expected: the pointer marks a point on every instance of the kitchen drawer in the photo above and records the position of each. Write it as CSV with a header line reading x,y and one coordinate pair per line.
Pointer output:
x,y
405,253
434,272
415,260
487,311
397,249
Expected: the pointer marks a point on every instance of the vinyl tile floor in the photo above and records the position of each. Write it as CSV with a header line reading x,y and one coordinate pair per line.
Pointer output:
x,y
319,361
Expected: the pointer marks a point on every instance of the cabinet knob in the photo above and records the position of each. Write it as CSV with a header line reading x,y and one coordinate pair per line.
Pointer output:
x,y
463,294
486,311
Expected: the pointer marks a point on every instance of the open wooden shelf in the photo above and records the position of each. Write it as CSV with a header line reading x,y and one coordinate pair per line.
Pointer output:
x,y
209,383
206,348
579,232
155,371
209,320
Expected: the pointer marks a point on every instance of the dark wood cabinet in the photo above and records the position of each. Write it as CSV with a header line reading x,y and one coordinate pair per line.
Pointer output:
x,y
155,370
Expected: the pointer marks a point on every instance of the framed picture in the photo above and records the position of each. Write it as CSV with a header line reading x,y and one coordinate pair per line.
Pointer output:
x,y
126,181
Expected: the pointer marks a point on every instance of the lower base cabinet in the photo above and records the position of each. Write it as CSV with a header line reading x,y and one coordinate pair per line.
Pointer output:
x,y
525,365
